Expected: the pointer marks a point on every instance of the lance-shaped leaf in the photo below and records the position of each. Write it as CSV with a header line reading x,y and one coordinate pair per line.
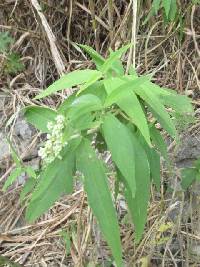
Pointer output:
x,y
173,11
96,57
113,57
170,98
156,6
69,80
56,179
125,98
166,4
84,104
179,103
154,162
112,83
99,196
117,66
91,81
157,109
138,205
27,188
99,60
64,106
40,116
96,89
12,177
119,86
129,103
159,142
153,159
120,145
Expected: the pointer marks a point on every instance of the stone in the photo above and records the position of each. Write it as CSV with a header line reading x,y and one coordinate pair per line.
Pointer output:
x,y
23,129
188,150
4,147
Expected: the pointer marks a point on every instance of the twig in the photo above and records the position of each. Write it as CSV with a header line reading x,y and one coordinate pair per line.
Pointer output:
x,y
52,40
132,54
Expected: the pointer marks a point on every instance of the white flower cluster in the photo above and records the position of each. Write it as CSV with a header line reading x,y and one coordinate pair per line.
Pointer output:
x,y
55,142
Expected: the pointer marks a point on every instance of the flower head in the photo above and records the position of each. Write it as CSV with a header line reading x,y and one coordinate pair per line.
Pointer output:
x,y
55,142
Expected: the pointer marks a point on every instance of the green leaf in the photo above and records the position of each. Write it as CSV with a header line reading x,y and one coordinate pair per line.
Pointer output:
x,y
111,84
179,103
173,10
138,205
119,143
96,76
96,89
64,106
154,161
69,80
156,6
40,116
157,109
197,164
117,90
188,177
14,154
30,172
126,99
56,179
131,105
66,237
5,41
27,188
99,197
170,98
117,66
84,104
83,122
166,5
159,142
13,64
113,57
96,57
12,177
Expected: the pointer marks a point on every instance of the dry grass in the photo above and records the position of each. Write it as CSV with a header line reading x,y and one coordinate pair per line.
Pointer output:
x,y
47,45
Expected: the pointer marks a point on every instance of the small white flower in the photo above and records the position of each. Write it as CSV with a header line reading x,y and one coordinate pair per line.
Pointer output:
x,y
50,125
54,143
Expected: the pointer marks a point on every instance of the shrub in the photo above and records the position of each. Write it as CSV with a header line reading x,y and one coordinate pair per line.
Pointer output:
x,y
111,111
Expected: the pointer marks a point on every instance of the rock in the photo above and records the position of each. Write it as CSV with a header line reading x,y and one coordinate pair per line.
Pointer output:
x,y
23,129
4,147
188,150
21,139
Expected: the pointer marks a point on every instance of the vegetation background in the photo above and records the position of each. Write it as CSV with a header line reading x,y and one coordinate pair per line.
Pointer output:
x,y
38,42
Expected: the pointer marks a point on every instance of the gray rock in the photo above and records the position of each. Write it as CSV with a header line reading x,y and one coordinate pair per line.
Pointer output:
x,y
23,129
188,150
4,147
22,136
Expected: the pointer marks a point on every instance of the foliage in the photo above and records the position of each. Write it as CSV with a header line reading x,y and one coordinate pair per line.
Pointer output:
x,y
190,175
111,109
168,6
12,64
5,41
